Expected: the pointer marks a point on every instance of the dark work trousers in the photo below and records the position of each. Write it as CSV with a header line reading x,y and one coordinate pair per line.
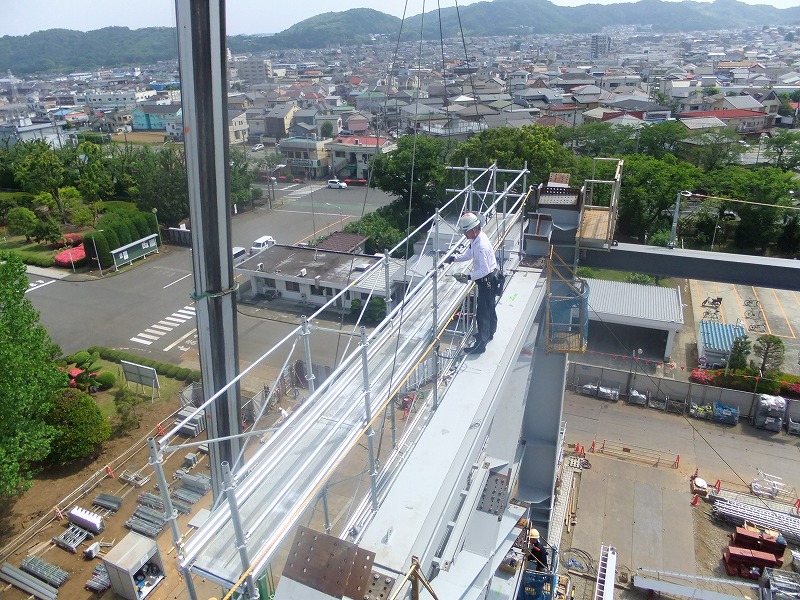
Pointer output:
x,y
486,314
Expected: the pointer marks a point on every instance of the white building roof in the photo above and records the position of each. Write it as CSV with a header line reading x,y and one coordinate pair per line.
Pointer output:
x,y
635,304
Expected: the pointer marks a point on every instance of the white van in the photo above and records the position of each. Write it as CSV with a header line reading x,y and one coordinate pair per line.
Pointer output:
x,y
239,254
262,243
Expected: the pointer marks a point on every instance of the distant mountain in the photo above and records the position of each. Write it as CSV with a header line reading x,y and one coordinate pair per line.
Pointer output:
x,y
59,50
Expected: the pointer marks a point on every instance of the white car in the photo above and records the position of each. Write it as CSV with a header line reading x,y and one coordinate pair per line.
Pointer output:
x,y
257,148
336,184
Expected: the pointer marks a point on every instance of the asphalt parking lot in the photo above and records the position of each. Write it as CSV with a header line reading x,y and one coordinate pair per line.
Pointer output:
x,y
760,310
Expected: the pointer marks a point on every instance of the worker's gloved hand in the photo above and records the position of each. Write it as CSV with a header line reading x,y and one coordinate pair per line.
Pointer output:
x,y
450,259
461,277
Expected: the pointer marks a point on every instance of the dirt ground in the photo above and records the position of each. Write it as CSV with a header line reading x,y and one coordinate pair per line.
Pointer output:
x,y
28,523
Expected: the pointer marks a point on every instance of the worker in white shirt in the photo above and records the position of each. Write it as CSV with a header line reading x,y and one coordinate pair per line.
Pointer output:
x,y
484,270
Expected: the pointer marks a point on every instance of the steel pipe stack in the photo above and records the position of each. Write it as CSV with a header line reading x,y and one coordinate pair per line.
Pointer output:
x,y
738,512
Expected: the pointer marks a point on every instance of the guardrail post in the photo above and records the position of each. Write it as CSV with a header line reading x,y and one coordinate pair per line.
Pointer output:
x,y
306,335
373,471
435,309
236,520
157,462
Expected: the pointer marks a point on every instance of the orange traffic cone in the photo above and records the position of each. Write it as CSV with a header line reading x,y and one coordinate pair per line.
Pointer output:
x,y
695,499
109,471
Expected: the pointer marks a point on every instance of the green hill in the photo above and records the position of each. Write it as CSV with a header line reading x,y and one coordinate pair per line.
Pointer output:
x,y
62,50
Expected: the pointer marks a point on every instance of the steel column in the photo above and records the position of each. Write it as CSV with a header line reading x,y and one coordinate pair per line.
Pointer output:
x,y
201,52
373,471
387,277
435,309
241,541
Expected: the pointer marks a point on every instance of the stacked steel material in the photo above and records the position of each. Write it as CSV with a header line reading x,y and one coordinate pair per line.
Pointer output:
x,y
45,571
27,583
99,582
193,487
154,501
780,585
738,512
72,537
147,521
107,501
194,426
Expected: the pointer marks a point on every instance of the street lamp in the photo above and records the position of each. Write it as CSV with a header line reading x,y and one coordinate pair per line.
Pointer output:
x,y
673,233
96,255
158,227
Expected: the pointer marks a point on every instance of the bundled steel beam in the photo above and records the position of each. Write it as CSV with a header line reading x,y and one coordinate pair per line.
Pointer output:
x,y
107,501
738,513
72,538
44,570
27,583
99,582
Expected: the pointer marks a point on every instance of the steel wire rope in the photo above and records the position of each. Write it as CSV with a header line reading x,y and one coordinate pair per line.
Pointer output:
x,y
695,430
390,405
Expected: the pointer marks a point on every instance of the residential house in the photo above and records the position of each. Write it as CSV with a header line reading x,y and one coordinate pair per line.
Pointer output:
x,y
743,121
314,276
278,120
153,117
306,157
350,155
22,129
357,122
334,120
768,98
237,127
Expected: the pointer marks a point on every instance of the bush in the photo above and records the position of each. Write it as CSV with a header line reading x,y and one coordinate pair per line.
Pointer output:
x,y
142,226
183,373
80,426
196,376
119,206
105,380
172,371
37,260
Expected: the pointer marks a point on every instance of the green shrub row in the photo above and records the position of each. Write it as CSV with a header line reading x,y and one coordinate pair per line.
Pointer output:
x,y
164,369
116,229
37,260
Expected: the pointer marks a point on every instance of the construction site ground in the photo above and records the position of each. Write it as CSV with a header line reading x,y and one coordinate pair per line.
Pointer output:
x,y
635,499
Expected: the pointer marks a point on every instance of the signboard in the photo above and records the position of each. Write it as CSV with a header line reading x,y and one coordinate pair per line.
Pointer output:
x,y
301,162
141,375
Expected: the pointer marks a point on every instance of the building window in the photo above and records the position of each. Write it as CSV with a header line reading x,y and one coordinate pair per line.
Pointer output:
x,y
364,296
339,154
270,283
292,286
305,154
317,291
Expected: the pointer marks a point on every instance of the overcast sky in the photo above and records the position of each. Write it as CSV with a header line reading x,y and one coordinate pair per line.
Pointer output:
x,y
244,16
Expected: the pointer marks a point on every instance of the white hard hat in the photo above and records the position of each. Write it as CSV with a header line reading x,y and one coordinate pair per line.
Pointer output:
x,y
534,534
468,221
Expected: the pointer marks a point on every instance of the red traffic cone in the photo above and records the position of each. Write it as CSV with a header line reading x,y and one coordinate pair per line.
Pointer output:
x,y
109,471
695,499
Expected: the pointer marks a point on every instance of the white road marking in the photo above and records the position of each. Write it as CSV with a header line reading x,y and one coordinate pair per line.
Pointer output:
x,y
176,281
39,284
178,341
174,320
161,327
145,342
185,313
155,332
149,337
171,326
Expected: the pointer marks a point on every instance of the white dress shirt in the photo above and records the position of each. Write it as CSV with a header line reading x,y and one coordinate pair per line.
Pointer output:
x,y
482,254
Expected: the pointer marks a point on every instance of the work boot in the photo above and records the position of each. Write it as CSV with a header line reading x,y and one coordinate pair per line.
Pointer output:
x,y
476,348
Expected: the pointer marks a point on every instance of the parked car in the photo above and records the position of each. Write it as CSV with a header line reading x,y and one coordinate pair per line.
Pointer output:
x,y
336,184
262,243
257,148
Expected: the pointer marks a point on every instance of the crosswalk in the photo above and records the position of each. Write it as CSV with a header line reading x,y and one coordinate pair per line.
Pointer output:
x,y
302,191
164,326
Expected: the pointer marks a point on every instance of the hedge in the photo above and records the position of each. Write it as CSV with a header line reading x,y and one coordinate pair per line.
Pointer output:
x,y
165,369
105,380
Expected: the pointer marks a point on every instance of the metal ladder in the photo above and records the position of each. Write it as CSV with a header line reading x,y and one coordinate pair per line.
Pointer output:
x,y
606,573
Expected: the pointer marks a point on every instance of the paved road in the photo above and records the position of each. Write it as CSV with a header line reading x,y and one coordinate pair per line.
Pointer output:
x,y
148,308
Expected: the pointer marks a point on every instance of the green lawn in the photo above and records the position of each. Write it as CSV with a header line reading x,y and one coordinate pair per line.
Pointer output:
x,y
29,252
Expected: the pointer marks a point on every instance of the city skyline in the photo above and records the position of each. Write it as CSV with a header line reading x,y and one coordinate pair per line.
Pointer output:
x,y
243,16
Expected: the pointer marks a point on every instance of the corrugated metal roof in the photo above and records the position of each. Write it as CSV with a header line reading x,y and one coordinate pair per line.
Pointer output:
x,y
718,337
648,302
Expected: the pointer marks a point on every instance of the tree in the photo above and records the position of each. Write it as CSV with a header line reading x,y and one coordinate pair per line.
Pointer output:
x,y
512,148
771,350
29,379
46,230
414,173
125,402
161,183
240,178
759,224
640,278
783,148
649,189
40,169
79,424
740,350
94,181
21,221
601,139
326,129
381,233
712,149
788,241
659,139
